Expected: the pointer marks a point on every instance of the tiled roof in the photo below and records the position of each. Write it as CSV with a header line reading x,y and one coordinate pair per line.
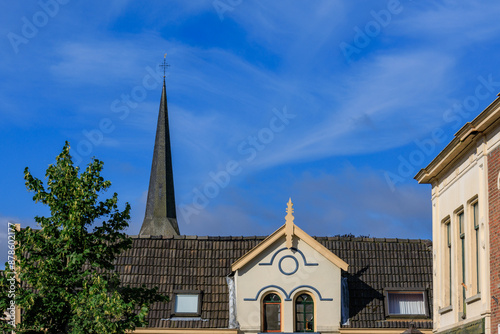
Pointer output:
x,y
202,263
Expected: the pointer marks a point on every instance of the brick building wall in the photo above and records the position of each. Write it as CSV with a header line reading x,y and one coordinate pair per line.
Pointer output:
x,y
494,223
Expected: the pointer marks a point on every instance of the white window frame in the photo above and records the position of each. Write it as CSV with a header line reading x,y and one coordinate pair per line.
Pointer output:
x,y
423,292
178,293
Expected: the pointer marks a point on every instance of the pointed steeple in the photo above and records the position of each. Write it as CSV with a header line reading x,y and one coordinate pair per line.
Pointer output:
x,y
160,217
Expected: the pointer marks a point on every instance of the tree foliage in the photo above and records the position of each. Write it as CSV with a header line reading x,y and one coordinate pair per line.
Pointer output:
x,y
67,266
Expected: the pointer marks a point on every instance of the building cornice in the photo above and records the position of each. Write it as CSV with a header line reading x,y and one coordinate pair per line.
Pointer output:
x,y
461,143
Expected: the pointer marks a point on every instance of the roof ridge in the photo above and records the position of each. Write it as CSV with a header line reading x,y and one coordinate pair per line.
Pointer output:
x,y
373,239
257,237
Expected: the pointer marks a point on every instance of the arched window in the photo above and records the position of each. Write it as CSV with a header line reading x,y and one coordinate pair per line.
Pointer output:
x,y
272,313
304,313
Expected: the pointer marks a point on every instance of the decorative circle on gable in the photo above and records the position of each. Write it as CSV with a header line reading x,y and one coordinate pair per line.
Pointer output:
x,y
288,267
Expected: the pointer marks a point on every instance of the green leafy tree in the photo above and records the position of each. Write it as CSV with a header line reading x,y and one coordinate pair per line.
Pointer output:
x,y
66,282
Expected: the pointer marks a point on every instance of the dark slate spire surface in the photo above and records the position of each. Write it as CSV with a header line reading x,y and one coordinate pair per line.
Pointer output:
x,y
160,217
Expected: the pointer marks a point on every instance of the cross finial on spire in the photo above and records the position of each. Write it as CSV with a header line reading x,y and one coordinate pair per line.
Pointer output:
x,y
164,65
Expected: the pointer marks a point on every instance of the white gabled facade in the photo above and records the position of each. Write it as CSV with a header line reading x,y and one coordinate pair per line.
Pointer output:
x,y
290,264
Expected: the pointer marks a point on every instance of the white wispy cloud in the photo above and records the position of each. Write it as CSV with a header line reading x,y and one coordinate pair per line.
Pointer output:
x,y
100,63
451,24
382,105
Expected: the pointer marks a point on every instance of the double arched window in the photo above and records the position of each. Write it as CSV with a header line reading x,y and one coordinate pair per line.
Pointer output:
x,y
272,313
304,313
303,308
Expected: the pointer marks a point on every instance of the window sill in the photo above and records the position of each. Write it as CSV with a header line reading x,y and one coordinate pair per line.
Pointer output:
x,y
186,315
407,316
473,298
173,318
445,309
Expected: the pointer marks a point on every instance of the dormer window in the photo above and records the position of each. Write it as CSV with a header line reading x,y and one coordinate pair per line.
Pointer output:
x,y
405,303
187,303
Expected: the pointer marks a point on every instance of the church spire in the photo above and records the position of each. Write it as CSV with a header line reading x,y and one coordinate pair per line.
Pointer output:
x,y
160,217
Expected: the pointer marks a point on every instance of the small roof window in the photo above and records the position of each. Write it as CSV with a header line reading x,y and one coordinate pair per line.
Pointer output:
x,y
406,303
187,303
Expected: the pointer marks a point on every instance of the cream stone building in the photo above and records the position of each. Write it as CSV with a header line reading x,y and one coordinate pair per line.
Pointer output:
x,y
465,183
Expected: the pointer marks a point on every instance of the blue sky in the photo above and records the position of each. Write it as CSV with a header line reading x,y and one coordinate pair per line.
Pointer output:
x,y
336,104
